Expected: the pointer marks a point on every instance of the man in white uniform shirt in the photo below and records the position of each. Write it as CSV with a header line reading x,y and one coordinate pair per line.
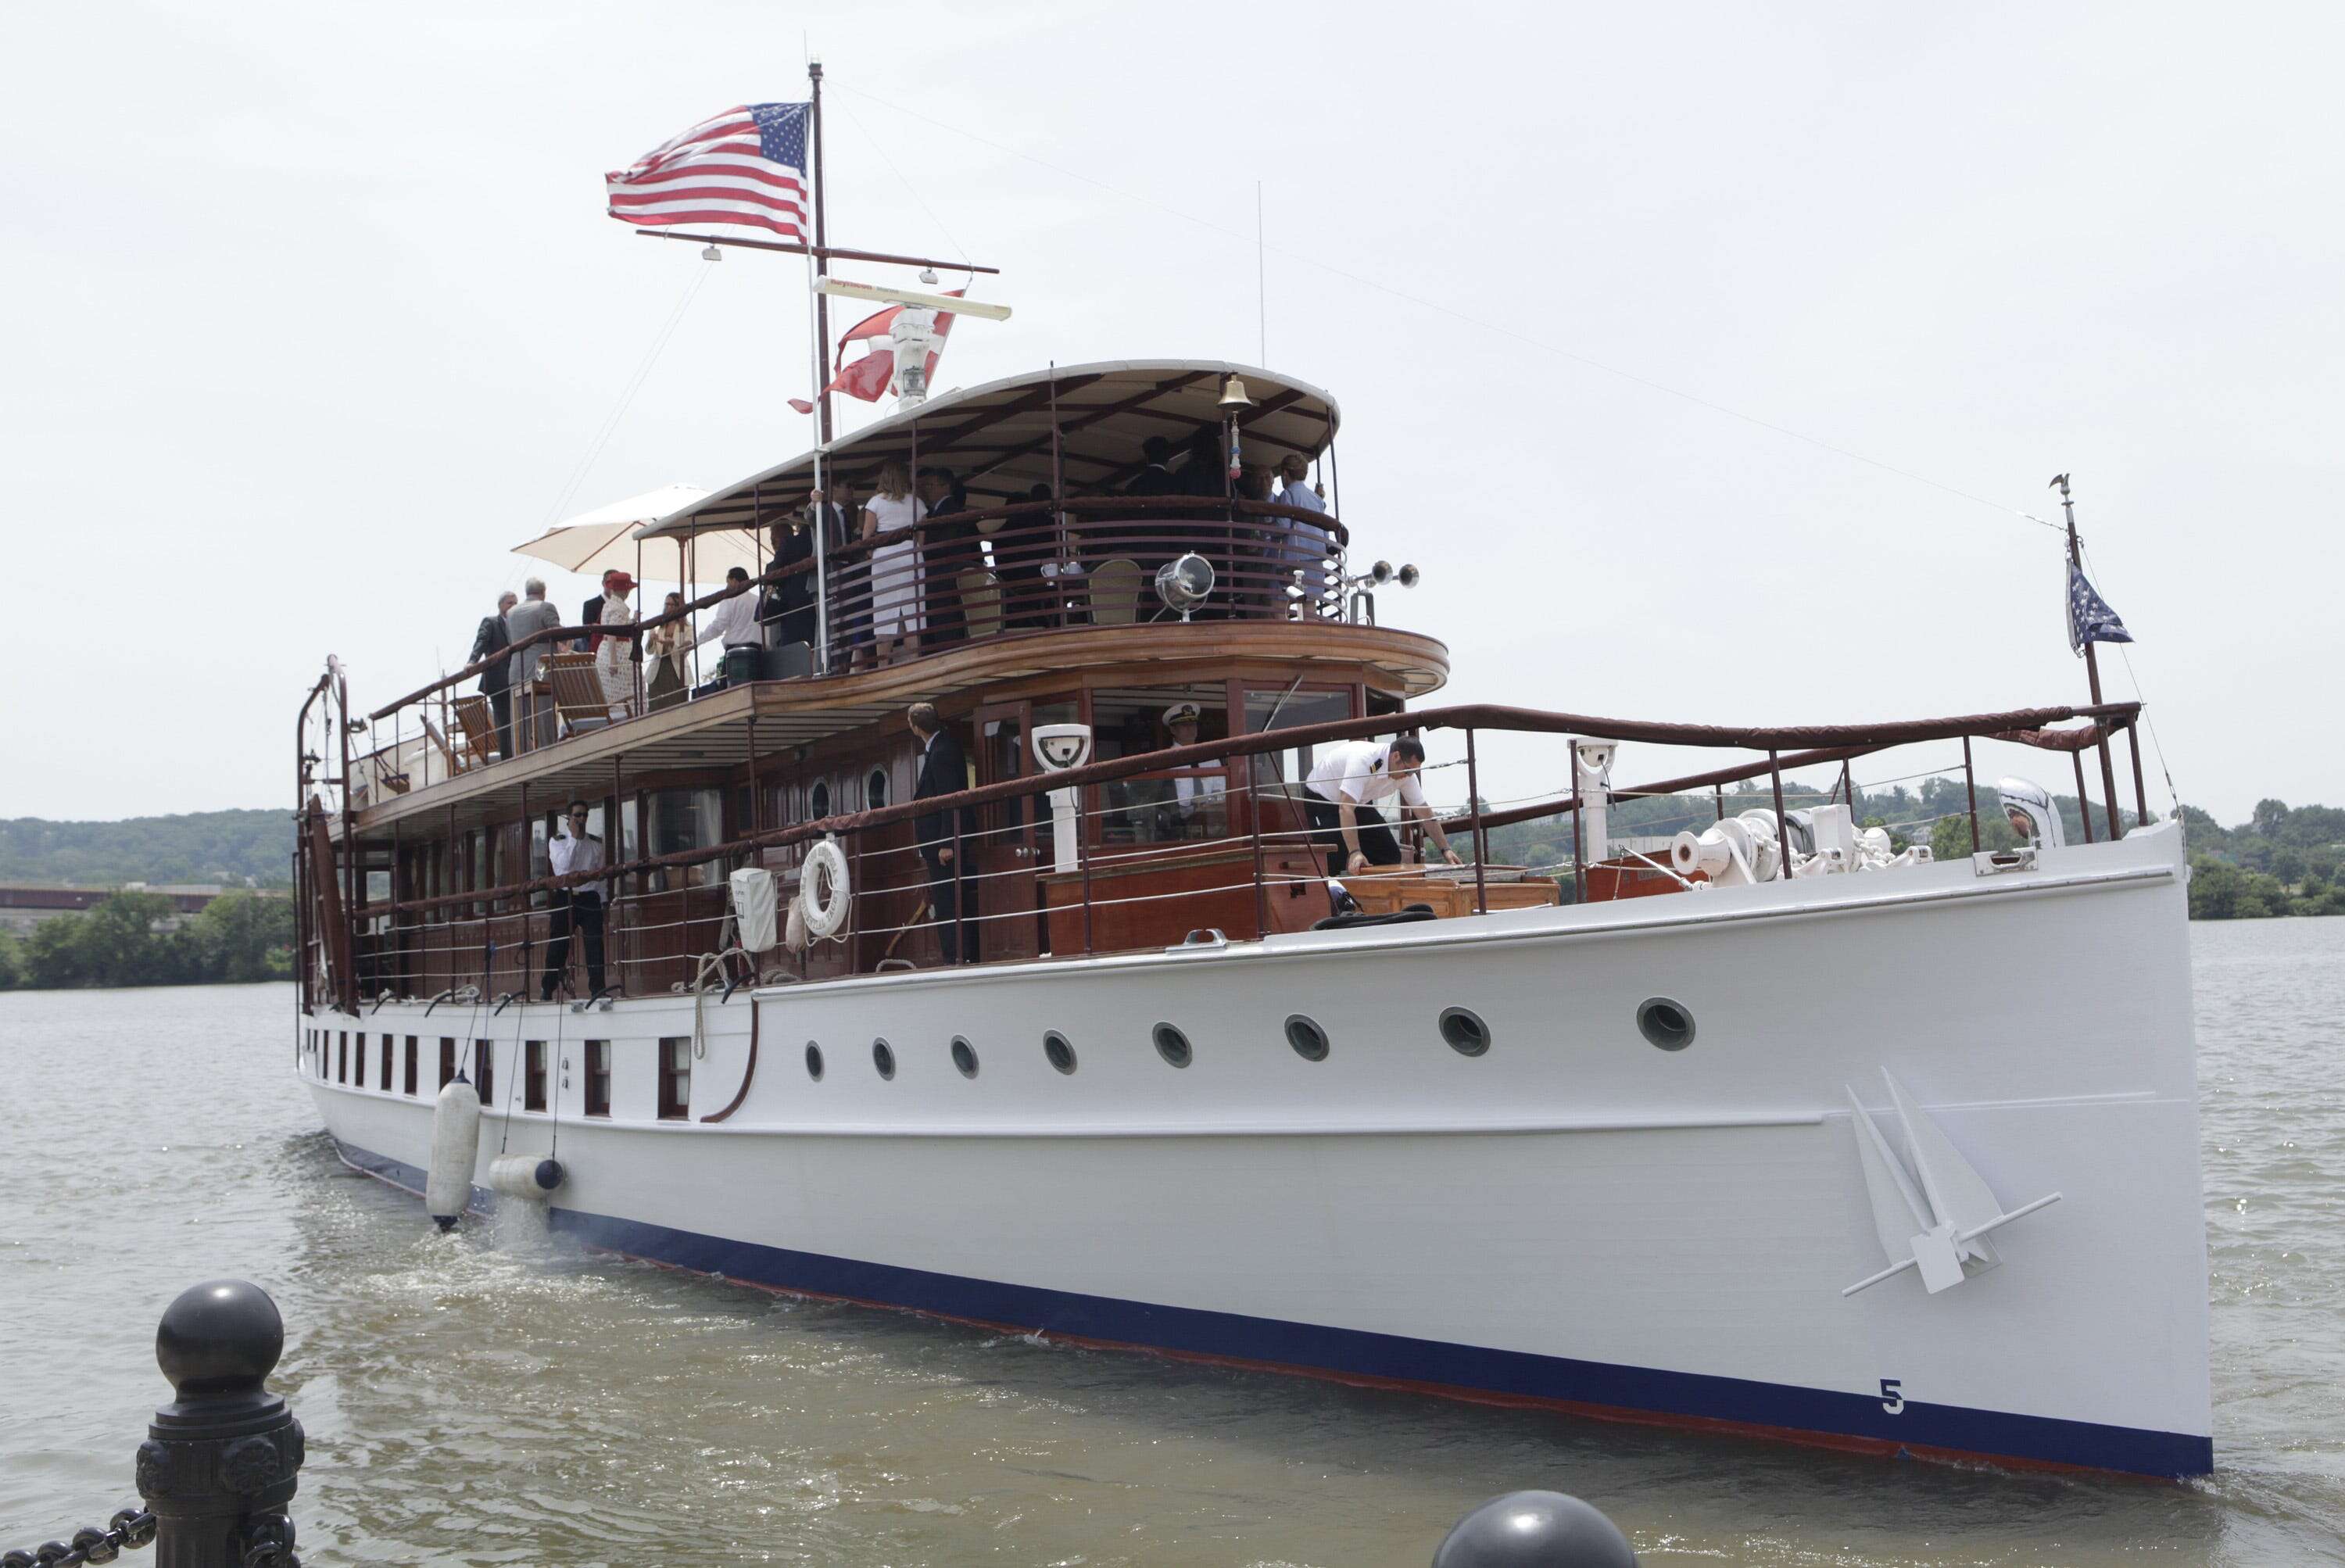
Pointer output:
x,y
1346,780
733,623
578,908
1192,792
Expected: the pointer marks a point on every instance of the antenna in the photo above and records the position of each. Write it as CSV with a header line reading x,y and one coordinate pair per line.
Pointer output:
x,y
1261,289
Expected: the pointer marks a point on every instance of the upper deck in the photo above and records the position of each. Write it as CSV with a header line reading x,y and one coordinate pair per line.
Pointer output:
x,y
1040,561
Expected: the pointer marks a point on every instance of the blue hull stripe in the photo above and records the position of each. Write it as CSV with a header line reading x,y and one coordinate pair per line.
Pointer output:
x,y
1470,1370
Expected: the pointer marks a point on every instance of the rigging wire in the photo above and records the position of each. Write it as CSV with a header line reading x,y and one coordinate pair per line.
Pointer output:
x,y
1513,331
2125,653
910,190
633,385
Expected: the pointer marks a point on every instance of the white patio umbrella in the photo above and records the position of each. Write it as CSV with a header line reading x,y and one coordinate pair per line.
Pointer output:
x,y
597,542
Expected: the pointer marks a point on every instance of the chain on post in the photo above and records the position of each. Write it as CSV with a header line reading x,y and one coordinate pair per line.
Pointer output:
x,y
130,1527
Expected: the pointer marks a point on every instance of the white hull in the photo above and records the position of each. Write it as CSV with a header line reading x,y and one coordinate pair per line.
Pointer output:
x,y
1573,1217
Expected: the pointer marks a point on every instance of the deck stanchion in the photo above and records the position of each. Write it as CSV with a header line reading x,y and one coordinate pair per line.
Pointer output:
x,y
1083,862
1719,791
1474,797
1970,788
1579,861
2140,798
2084,801
1254,818
615,832
1783,830
528,874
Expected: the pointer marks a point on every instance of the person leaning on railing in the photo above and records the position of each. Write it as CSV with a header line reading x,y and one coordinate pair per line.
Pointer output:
x,y
1346,779
663,658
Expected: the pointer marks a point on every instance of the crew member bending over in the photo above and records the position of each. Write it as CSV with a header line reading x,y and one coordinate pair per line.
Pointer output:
x,y
1346,780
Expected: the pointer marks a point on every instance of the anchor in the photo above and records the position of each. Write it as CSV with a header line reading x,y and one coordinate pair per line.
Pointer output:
x,y
1943,1222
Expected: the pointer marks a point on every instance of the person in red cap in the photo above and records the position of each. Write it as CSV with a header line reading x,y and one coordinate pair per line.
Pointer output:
x,y
614,656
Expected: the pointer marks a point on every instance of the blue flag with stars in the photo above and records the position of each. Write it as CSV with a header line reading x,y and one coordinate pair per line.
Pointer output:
x,y
2090,619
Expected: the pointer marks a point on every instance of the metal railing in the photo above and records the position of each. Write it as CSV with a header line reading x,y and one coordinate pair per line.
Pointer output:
x,y
1256,848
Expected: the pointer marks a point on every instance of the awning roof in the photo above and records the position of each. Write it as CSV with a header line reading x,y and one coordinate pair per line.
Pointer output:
x,y
996,437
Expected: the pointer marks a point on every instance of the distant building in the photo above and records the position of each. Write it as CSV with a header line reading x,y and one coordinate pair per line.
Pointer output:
x,y
23,906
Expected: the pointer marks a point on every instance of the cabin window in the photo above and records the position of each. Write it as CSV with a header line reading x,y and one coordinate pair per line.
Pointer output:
x,y
883,1058
1187,803
410,1064
386,1064
1171,1045
814,1061
541,857
818,801
342,1059
598,1077
447,1061
1277,708
483,1072
683,819
1061,1053
964,1057
533,1080
675,1077
875,789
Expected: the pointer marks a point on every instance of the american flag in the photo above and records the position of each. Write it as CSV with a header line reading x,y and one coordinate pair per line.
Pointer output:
x,y
2090,619
745,166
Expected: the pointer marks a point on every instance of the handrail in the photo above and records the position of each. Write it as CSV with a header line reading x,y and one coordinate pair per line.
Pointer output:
x,y
1466,716
1169,506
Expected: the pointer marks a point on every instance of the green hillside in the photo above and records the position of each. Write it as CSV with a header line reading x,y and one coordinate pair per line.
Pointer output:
x,y
229,847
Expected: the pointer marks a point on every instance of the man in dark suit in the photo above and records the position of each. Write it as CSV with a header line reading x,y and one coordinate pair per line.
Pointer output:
x,y
944,770
592,616
496,681
947,549
1156,478
789,608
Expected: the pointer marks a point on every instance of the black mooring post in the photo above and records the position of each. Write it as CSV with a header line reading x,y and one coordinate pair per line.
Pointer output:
x,y
221,1462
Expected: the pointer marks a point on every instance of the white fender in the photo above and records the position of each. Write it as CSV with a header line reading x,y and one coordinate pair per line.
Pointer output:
x,y
455,1146
824,897
532,1176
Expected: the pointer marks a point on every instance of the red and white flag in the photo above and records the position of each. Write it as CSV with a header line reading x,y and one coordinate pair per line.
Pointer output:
x,y
871,377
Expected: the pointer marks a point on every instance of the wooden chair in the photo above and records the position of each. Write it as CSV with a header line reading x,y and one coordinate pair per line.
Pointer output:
x,y
980,602
1115,593
447,753
578,698
477,724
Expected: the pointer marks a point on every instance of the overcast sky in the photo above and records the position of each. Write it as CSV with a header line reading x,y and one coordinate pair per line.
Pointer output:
x,y
313,312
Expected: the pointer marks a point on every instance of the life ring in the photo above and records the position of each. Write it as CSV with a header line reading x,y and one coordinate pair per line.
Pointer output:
x,y
823,894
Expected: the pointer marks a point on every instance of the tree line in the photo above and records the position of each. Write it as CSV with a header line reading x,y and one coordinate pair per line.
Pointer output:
x,y
124,941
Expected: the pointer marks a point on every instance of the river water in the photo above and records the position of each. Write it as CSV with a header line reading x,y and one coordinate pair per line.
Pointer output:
x,y
507,1399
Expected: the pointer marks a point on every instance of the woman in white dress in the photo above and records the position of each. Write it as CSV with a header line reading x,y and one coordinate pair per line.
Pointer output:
x,y
895,568
615,654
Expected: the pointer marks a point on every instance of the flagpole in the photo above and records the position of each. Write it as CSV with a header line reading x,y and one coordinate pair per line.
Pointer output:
x,y
817,266
2092,674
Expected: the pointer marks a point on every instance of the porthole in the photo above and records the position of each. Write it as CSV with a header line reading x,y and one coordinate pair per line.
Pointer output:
x,y
1171,1045
874,788
883,1057
1667,1024
818,801
1061,1054
814,1061
1310,1041
1463,1028
964,1057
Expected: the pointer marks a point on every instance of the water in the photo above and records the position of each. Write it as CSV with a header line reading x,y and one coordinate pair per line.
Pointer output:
x,y
509,1399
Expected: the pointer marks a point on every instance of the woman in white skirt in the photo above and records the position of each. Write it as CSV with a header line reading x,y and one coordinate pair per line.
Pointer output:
x,y
895,568
614,663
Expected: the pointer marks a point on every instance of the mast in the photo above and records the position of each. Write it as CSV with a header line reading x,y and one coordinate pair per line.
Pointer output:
x,y
821,260
2092,675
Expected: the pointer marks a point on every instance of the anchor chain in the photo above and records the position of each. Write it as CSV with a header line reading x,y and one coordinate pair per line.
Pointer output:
x,y
130,1527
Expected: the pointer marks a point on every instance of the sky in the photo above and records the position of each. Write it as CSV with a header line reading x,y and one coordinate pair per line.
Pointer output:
x,y
1707,358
